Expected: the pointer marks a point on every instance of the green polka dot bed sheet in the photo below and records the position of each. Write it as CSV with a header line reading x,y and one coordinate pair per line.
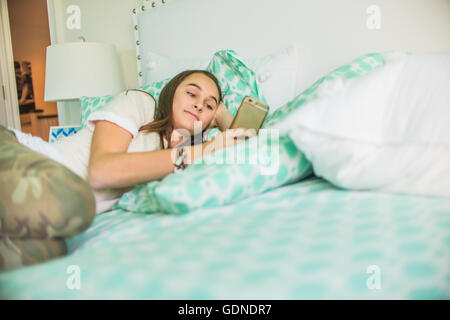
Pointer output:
x,y
306,240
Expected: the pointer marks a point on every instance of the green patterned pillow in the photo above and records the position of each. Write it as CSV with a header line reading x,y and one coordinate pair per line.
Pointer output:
x,y
91,104
236,79
257,165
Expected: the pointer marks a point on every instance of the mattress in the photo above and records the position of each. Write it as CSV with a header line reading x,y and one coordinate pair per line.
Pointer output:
x,y
308,240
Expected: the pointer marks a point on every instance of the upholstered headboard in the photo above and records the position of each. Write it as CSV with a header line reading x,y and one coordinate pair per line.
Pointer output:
x,y
328,33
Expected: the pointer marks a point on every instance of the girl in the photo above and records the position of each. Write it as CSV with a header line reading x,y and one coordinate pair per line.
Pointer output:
x,y
129,142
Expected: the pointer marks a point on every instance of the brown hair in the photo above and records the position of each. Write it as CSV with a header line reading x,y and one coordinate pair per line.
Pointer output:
x,y
162,122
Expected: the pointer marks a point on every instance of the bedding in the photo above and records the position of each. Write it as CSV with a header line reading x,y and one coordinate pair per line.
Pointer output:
x,y
277,75
262,163
354,69
307,240
236,79
387,130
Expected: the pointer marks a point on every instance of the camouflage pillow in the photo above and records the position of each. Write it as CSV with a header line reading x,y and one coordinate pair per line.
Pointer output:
x,y
42,198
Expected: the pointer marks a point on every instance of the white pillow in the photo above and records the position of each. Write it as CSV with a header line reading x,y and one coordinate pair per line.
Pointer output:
x,y
277,76
388,130
276,72
159,67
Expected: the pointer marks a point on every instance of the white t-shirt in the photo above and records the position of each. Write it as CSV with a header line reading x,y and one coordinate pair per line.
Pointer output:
x,y
130,110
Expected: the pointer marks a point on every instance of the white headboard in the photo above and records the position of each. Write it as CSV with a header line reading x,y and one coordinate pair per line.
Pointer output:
x,y
328,33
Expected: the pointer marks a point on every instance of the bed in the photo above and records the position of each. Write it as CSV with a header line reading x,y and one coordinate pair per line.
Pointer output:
x,y
309,239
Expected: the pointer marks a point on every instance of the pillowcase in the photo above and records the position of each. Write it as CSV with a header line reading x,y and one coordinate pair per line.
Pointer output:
x,y
276,73
91,104
388,130
235,78
356,68
277,76
259,164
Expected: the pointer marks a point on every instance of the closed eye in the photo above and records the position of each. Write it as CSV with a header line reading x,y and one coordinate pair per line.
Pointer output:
x,y
193,95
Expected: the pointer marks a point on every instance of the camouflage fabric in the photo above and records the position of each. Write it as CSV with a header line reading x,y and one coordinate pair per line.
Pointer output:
x,y
21,252
41,203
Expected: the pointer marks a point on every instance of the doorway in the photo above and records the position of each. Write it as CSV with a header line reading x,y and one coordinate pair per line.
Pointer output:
x,y
30,36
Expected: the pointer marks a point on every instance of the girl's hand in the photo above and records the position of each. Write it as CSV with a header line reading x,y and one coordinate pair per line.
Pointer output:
x,y
222,119
231,137
224,139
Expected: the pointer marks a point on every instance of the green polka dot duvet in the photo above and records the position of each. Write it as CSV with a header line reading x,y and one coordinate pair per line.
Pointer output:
x,y
305,240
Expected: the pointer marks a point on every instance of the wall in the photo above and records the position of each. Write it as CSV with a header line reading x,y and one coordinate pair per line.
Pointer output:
x,y
106,21
30,36
413,25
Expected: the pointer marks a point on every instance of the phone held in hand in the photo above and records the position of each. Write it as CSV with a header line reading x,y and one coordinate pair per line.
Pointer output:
x,y
250,115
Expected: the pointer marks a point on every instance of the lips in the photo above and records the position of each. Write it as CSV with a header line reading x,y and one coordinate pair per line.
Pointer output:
x,y
192,115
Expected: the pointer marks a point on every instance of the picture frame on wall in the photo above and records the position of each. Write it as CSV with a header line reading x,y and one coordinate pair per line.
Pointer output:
x,y
24,83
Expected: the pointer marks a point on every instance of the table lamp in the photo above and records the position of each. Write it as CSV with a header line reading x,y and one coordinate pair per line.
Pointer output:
x,y
81,69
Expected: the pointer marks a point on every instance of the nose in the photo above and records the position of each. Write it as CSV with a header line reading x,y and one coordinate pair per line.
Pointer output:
x,y
198,106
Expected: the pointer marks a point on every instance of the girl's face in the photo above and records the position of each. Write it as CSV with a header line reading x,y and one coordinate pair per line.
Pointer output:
x,y
196,99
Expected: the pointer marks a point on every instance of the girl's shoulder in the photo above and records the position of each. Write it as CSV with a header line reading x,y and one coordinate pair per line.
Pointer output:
x,y
140,91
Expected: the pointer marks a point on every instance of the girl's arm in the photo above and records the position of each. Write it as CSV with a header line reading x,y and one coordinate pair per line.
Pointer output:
x,y
111,166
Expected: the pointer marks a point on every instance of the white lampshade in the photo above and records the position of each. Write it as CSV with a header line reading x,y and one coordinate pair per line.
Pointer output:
x,y
81,69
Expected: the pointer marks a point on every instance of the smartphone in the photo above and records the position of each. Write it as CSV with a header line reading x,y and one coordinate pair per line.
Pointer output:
x,y
250,115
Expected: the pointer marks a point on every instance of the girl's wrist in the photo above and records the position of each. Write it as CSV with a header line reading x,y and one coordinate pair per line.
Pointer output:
x,y
208,147
180,159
